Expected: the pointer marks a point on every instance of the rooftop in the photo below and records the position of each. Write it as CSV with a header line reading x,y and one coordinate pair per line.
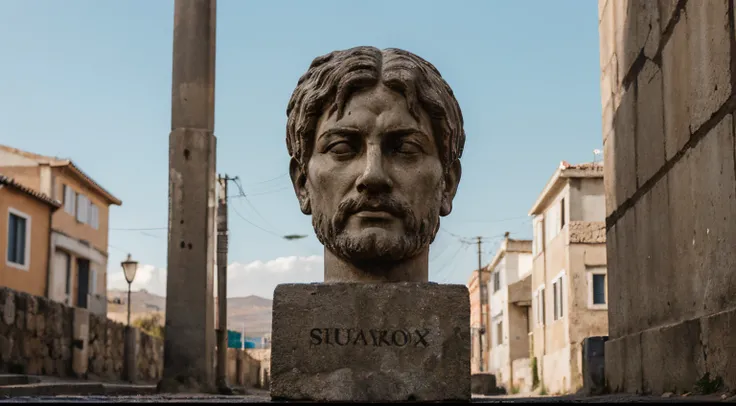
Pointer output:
x,y
12,183
56,162
563,172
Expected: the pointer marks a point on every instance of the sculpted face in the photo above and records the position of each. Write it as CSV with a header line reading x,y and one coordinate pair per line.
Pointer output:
x,y
375,180
367,161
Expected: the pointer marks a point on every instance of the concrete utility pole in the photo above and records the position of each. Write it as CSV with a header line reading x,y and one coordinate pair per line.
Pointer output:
x,y
189,336
481,331
222,244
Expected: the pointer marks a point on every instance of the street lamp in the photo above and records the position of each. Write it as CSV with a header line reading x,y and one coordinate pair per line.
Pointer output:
x,y
129,269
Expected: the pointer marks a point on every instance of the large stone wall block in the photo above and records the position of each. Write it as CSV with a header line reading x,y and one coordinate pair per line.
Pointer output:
x,y
709,35
622,151
371,342
703,202
650,150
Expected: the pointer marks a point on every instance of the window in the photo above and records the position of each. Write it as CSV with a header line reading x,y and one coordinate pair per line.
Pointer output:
x,y
496,281
539,306
94,216
558,293
19,237
70,200
82,209
562,213
553,221
499,332
538,237
597,288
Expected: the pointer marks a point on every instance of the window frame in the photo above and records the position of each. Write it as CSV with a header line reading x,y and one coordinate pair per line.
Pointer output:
x,y
538,303
558,296
538,244
70,200
93,218
27,248
591,288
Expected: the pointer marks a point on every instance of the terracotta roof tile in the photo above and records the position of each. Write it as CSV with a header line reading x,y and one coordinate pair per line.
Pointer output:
x,y
10,182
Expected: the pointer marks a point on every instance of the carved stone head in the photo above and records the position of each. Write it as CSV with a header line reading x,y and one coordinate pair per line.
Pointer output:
x,y
375,138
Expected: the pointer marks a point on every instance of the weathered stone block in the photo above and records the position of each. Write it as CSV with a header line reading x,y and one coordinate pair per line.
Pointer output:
x,y
653,260
719,345
650,155
703,202
676,85
8,298
672,358
667,10
614,362
709,49
369,342
613,272
606,32
620,147
622,303
632,372
625,35
637,31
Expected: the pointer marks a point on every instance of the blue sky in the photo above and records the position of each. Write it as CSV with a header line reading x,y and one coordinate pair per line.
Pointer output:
x,y
91,80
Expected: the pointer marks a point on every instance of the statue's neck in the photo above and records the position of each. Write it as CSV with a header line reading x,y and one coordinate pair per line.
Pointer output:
x,y
415,269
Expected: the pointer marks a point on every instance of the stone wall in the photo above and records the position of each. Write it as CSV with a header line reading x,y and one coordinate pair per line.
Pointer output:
x,y
35,335
42,337
668,75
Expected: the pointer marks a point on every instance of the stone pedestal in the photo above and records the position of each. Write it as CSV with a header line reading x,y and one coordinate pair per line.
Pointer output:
x,y
371,342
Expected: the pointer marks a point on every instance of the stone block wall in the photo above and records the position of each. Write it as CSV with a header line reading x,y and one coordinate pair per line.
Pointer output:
x,y
35,335
668,75
38,337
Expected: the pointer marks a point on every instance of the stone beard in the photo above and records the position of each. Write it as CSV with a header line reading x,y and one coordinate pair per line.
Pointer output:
x,y
375,139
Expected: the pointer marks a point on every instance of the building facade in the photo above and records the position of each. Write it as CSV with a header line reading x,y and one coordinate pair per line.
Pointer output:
x,y
25,222
478,321
509,289
79,229
569,274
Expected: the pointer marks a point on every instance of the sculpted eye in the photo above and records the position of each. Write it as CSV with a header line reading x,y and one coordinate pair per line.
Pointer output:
x,y
408,148
341,148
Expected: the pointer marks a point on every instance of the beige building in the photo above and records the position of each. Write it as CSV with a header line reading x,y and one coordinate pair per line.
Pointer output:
x,y
79,229
25,225
568,283
478,321
667,91
509,288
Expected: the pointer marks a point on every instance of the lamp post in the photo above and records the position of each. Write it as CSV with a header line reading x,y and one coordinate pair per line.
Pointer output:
x,y
129,269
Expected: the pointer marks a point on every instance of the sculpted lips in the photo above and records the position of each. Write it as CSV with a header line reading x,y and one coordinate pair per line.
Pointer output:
x,y
374,214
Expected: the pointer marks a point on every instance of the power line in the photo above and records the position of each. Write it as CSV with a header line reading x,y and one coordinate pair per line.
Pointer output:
x,y
271,180
242,193
139,229
253,224
491,221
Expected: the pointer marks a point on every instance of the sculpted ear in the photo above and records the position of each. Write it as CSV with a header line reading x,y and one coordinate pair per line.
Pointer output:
x,y
299,180
452,180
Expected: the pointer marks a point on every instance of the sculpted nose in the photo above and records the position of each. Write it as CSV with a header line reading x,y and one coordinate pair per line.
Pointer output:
x,y
374,178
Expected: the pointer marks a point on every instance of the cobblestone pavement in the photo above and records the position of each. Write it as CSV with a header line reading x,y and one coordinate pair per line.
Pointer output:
x,y
263,398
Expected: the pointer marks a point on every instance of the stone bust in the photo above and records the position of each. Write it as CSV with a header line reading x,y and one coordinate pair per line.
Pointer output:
x,y
375,139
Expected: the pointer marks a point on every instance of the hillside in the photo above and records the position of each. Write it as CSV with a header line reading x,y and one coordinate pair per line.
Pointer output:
x,y
253,311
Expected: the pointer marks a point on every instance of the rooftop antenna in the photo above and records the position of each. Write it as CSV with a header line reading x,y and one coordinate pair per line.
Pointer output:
x,y
596,154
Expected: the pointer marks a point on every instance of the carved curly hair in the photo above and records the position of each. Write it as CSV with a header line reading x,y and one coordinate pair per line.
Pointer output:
x,y
332,78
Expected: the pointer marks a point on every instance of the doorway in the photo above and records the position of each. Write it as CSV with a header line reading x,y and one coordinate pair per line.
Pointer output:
x,y
82,282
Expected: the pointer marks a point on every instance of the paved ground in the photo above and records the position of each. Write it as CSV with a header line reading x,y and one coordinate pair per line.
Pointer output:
x,y
262,397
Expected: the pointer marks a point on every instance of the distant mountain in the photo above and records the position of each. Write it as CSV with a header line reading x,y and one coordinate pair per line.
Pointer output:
x,y
251,312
